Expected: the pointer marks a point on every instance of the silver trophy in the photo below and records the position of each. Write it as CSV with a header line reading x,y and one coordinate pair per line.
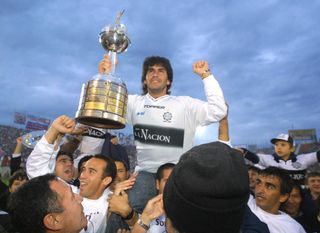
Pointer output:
x,y
103,100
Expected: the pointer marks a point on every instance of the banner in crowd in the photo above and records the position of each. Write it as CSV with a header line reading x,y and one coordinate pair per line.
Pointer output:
x,y
31,122
20,118
37,123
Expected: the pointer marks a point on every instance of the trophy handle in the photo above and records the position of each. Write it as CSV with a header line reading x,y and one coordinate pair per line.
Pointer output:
x,y
113,59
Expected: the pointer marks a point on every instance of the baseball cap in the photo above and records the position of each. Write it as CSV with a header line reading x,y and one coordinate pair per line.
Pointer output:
x,y
283,137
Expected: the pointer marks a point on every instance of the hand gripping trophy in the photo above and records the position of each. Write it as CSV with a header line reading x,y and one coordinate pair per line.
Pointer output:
x,y
103,100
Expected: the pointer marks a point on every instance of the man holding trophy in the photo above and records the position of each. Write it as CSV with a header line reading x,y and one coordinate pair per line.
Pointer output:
x,y
164,126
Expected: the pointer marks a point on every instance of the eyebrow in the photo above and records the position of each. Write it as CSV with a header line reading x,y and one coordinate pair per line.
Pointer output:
x,y
92,169
271,184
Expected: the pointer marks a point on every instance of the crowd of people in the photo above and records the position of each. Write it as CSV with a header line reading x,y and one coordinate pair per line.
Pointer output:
x,y
175,186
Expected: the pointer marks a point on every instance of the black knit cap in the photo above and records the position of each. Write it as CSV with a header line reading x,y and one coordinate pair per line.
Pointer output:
x,y
208,190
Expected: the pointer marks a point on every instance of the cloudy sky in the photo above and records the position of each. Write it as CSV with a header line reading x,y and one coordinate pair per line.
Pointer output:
x,y
265,55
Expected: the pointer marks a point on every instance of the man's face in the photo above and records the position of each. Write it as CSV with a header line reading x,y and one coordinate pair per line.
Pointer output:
x,y
92,180
157,80
64,168
283,149
161,183
267,193
122,173
253,175
16,184
72,218
314,184
292,206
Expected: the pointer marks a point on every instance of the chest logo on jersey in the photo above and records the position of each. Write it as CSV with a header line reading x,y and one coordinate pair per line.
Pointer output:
x,y
94,133
153,106
297,165
158,135
167,117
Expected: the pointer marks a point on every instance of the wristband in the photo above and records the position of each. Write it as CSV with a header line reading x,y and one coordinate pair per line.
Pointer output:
x,y
143,225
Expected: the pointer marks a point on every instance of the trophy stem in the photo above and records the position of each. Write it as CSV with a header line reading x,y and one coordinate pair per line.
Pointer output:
x,y
113,58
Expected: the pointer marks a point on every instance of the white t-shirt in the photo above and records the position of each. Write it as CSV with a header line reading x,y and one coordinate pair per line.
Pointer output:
x,y
95,212
277,223
158,225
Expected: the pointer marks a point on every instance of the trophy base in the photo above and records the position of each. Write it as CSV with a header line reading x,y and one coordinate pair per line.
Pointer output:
x,y
100,119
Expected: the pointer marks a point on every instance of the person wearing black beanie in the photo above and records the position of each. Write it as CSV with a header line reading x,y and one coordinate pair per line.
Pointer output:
x,y
208,190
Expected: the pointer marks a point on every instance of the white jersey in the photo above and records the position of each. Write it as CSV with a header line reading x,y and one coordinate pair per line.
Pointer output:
x,y
164,128
277,223
296,165
158,225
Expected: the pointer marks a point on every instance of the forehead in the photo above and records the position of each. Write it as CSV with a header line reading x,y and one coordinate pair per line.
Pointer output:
x,y
313,178
60,187
295,191
156,66
119,164
64,157
281,142
269,179
97,164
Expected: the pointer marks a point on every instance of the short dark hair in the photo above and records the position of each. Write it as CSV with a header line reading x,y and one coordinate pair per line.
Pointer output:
x,y
253,168
18,175
61,152
286,182
156,60
32,202
159,174
110,169
83,160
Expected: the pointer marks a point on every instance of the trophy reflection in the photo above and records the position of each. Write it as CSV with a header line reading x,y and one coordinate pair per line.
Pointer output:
x,y
30,140
103,100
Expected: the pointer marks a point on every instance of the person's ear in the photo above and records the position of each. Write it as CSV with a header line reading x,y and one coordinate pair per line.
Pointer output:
x,y
292,149
157,185
107,180
283,198
53,221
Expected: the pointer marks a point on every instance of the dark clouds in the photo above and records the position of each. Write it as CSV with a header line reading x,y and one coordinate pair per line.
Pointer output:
x,y
265,55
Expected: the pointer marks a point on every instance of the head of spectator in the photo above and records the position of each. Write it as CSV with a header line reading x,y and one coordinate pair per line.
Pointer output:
x,y
283,146
64,166
122,171
162,175
313,183
273,188
207,190
253,173
46,204
292,205
17,179
156,73
96,175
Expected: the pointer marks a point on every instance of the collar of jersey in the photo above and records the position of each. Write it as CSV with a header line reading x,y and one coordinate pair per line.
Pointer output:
x,y
157,99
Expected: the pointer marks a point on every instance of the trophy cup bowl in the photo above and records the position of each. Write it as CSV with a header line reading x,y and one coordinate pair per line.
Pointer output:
x,y
103,100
